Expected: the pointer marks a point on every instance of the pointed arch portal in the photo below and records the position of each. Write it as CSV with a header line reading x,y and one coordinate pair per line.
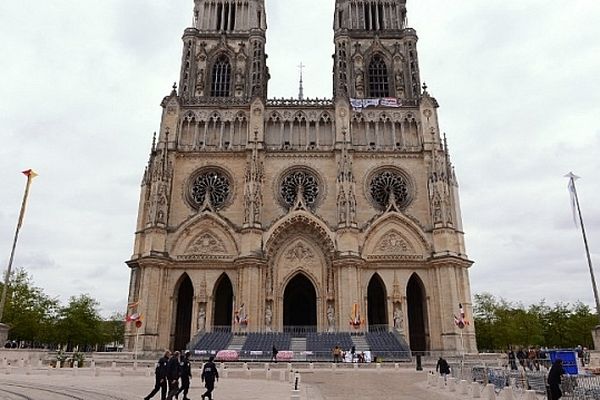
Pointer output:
x,y
223,308
299,303
417,314
183,315
376,302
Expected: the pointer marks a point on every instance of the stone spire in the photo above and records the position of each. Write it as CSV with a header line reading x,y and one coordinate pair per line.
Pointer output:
x,y
301,87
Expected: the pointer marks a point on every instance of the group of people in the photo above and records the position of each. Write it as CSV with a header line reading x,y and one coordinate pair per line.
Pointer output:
x,y
530,358
172,368
350,356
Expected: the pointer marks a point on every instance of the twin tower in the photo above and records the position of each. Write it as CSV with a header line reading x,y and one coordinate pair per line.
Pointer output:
x,y
300,215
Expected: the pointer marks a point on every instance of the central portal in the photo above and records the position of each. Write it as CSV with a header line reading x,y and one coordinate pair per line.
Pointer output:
x,y
300,303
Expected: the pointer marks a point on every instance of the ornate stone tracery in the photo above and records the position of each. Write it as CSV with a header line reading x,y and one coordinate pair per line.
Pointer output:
x,y
389,185
210,186
299,184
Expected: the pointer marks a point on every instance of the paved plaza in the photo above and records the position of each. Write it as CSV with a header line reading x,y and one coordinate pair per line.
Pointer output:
x,y
315,384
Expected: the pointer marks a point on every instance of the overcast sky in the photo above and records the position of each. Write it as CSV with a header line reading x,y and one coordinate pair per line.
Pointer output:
x,y
518,82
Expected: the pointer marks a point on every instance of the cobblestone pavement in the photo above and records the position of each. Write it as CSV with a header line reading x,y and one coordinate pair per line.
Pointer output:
x,y
315,385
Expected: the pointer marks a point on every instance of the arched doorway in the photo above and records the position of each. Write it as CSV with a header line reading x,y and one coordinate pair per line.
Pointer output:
x,y
376,304
223,309
183,314
417,314
300,304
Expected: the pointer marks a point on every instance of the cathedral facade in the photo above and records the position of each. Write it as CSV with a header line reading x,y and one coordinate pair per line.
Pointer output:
x,y
261,215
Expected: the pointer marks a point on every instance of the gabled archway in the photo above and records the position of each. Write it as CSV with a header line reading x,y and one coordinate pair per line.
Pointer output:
x,y
223,302
183,312
376,302
300,303
417,314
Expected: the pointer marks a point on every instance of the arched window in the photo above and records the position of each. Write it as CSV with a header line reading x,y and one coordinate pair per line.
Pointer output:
x,y
221,78
378,78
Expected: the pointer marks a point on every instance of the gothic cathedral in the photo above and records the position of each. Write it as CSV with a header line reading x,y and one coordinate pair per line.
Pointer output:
x,y
261,215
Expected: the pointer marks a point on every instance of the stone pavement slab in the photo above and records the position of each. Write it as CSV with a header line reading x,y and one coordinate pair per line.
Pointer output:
x,y
315,385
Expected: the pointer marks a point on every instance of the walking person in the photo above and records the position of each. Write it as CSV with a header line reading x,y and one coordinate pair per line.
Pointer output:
x,y
173,373
274,354
185,368
160,376
554,380
209,375
442,367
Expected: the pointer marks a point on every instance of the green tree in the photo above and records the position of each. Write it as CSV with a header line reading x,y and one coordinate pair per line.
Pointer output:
x,y
502,324
79,323
29,312
113,329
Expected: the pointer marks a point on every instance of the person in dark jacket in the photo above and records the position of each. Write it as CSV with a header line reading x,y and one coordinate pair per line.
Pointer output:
x,y
209,375
274,354
160,376
173,373
554,379
442,367
186,374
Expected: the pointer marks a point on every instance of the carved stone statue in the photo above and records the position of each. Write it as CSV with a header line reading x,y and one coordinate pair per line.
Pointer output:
x,y
268,318
330,318
398,319
201,319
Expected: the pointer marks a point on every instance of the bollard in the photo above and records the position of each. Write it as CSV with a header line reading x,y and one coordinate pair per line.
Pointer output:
x,y
21,363
396,366
462,387
311,366
28,371
430,379
96,371
333,366
75,368
122,371
148,371
58,365
268,374
4,362
452,384
488,392
476,390
530,395
225,373
282,376
113,366
419,365
378,367
295,395
40,363
248,373
135,365
507,394
355,366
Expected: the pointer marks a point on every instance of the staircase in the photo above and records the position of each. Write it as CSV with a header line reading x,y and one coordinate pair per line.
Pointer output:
x,y
360,343
298,346
237,342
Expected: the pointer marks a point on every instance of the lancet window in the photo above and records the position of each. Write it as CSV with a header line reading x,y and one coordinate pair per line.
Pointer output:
x,y
221,77
378,78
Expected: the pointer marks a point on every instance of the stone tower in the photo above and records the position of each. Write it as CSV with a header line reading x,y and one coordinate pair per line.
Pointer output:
x,y
302,214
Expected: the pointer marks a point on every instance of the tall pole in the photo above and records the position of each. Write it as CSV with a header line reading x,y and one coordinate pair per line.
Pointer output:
x,y
30,175
572,177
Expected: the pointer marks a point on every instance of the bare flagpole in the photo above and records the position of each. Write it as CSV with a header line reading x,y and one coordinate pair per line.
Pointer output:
x,y
30,175
573,190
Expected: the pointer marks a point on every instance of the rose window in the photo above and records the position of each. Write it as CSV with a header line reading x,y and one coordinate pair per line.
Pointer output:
x,y
384,183
212,186
299,184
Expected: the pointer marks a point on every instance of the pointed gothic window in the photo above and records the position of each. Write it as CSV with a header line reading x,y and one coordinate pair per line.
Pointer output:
x,y
221,77
378,78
